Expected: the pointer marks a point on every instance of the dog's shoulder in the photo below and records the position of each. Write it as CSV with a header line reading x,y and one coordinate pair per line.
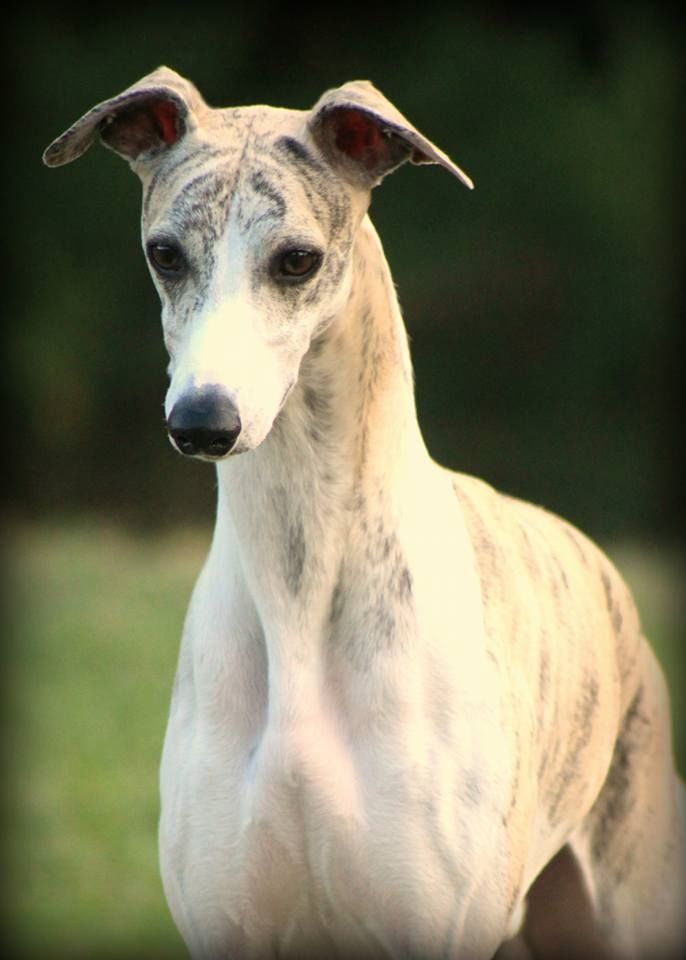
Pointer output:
x,y
527,553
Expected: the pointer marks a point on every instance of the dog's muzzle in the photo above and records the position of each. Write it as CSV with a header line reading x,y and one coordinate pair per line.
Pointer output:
x,y
204,423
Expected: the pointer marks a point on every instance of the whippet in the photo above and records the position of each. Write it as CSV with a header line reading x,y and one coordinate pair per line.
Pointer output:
x,y
412,717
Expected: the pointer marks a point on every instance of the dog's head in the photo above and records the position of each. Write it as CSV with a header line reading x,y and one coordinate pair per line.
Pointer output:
x,y
249,216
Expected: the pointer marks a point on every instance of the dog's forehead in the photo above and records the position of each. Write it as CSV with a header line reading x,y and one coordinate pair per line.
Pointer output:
x,y
259,155
242,126
233,142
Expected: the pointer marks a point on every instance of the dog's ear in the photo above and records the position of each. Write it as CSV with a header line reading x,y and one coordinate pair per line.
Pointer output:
x,y
359,130
138,124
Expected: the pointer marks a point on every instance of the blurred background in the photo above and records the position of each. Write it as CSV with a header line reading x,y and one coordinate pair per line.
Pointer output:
x,y
546,312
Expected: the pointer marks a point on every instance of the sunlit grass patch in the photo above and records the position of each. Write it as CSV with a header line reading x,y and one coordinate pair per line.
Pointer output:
x,y
95,618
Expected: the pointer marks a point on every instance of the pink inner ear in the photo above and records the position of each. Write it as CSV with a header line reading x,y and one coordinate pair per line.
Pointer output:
x,y
358,137
165,115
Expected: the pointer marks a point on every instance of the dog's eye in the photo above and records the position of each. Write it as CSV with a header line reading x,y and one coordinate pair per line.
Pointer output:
x,y
165,258
298,264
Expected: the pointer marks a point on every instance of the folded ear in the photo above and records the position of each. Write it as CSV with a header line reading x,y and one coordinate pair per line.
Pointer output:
x,y
146,119
358,129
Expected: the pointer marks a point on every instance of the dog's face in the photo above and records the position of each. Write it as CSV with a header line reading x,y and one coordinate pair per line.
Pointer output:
x,y
247,233
249,218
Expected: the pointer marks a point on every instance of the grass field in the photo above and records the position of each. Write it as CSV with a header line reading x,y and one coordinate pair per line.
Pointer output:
x,y
95,616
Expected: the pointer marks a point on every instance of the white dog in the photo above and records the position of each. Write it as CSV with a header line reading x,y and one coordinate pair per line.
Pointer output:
x,y
413,717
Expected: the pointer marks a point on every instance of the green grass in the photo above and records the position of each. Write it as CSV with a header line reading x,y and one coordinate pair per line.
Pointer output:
x,y
96,615
95,628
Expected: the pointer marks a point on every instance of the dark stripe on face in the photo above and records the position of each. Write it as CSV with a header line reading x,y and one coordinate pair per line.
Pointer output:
x,y
264,188
296,151
195,188
266,164
203,205
323,190
167,170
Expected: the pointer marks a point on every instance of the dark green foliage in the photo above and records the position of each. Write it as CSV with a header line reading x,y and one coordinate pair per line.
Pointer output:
x,y
543,308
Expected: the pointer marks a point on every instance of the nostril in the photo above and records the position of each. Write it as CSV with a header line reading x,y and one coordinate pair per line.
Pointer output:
x,y
185,443
221,444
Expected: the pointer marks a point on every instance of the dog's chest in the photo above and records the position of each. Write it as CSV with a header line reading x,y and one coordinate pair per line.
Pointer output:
x,y
312,824
302,813
322,781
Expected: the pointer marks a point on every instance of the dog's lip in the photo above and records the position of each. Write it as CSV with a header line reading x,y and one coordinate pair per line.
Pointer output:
x,y
286,395
206,458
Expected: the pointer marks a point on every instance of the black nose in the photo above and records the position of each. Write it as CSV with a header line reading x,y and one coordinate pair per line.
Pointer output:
x,y
204,423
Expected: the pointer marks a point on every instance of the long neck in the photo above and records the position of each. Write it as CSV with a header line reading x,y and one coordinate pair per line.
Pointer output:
x,y
332,472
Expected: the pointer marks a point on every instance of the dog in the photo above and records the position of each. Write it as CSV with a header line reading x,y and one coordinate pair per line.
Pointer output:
x,y
413,717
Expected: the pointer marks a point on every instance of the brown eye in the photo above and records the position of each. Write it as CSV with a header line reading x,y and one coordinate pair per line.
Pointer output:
x,y
299,264
165,258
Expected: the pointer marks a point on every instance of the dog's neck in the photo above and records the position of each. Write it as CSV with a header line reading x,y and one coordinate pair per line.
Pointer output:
x,y
332,477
